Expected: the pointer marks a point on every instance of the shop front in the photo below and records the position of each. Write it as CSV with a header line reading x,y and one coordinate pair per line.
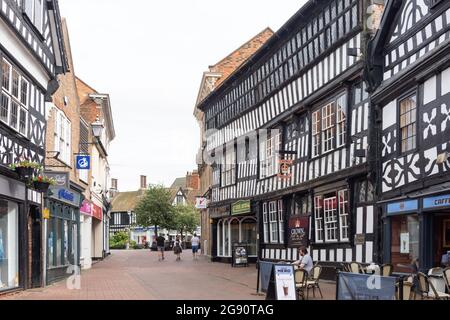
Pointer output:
x,y
417,232
97,232
62,233
235,224
86,234
13,235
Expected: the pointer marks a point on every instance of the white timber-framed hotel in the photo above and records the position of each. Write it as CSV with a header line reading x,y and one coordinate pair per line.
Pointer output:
x,y
306,84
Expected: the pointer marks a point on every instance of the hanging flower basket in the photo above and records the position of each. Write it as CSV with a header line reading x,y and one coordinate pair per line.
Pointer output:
x,y
26,169
41,186
24,172
42,183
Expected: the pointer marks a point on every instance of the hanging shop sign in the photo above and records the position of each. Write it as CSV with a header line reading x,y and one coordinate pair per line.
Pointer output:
x,y
241,207
201,203
62,179
298,231
437,202
97,212
285,169
83,162
401,207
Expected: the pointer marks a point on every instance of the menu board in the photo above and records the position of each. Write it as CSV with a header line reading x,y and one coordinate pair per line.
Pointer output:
x,y
240,255
298,231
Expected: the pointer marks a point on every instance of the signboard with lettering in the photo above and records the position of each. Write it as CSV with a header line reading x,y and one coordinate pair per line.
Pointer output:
x,y
219,212
241,207
86,208
201,203
240,255
352,286
401,207
437,202
298,231
67,196
62,179
285,169
97,212
360,239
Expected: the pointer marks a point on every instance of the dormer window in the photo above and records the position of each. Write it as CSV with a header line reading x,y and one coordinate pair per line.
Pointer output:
x,y
34,10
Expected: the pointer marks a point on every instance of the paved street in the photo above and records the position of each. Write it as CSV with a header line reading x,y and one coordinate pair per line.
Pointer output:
x,y
137,275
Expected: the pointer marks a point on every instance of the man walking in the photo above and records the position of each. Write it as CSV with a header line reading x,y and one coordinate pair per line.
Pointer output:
x,y
160,244
195,242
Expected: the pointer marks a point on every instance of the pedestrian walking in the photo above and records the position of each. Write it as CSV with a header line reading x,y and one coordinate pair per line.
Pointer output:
x,y
195,242
160,245
177,249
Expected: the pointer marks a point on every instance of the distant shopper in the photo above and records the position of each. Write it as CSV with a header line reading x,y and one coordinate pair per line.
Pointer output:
x,y
160,244
195,241
177,249
305,261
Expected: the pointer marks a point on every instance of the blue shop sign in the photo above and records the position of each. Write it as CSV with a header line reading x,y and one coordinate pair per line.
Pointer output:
x,y
404,206
67,196
83,162
437,202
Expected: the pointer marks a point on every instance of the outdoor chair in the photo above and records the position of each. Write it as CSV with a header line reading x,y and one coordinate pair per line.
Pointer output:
x,y
386,270
447,278
427,290
301,279
407,290
355,267
313,281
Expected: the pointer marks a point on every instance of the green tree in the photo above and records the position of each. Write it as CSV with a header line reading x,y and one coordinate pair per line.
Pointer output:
x,y
155,209
187,219
119,240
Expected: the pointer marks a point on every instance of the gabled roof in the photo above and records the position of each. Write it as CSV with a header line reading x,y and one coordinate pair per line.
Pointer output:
x,y
126,201
179,183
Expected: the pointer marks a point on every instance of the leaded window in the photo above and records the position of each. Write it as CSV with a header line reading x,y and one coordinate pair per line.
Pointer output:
x,y
408,123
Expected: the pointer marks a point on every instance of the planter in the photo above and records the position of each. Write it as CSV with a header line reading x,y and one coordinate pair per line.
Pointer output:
x,y
24,172
41,186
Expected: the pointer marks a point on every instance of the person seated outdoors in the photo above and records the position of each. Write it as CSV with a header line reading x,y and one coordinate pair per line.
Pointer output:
x,y
445,261
305,261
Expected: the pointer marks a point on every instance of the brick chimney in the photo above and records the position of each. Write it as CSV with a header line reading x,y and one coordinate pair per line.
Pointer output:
x,y
144,182
193,180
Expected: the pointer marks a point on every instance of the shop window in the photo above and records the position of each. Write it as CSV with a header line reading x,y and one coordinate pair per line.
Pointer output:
x,y
408,123
51,242
248,231
9,241
59,241
405,242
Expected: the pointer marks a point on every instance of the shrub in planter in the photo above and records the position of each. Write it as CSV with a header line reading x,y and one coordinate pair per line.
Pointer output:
x,y
42,183
26,168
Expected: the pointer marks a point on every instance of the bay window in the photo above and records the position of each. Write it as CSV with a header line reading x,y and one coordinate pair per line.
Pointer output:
x,y
34,9
269,155
14,98
332,217
329,126
62,135
228,168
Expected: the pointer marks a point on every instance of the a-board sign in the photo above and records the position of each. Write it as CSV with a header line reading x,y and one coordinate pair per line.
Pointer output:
x,y
240,255
352,286
265,271
281,285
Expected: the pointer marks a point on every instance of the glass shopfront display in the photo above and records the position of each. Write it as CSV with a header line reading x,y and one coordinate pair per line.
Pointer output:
x,y
236,230
9,245
405,243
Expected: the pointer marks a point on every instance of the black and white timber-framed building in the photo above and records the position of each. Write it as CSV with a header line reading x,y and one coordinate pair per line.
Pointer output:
x,y
32,54
409,76
306,84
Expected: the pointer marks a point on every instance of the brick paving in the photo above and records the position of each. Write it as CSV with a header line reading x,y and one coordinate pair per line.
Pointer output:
x,y
138,275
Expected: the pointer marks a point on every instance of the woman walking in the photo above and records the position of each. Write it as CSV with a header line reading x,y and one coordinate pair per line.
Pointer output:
x,y
177,249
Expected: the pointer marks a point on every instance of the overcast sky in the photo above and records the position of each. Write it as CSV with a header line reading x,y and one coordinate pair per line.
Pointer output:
x,y
150,57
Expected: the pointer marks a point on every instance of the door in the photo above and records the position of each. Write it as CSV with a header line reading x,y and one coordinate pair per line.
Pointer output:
x,y
36,247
